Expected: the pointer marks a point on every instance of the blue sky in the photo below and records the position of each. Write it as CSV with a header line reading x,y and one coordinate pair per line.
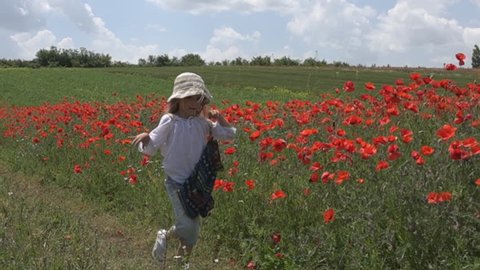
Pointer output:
x,y
399,33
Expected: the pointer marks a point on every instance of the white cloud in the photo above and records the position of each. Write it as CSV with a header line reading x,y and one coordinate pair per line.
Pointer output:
x,y
30,44
229,36
406,27
243,6
21,16
214,54
334,27
25,20
226,43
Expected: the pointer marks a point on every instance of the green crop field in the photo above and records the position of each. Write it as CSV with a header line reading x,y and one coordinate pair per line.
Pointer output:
x,y
331,168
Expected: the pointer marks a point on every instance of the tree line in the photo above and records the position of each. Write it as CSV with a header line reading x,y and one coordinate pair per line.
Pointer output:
x,y
55,57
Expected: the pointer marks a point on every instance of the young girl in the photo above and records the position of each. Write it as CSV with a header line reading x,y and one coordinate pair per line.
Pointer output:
x,y
181,136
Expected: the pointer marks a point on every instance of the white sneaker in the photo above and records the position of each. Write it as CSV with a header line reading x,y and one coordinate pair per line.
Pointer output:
x,y
160,248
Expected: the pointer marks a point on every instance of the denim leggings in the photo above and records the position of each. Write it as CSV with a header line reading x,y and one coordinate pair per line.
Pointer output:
x,y
186,228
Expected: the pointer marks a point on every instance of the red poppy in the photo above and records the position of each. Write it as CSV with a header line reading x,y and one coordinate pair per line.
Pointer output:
x,y
370,86
407,135
367,151
230,150
279,194
446,132
279,144
316,166
341,177
427,150
450,67
254,135
133,179
327,176
276,238
314,177
438,197
461,58
477,182
328,215
250,184
349,86
382,165
77,168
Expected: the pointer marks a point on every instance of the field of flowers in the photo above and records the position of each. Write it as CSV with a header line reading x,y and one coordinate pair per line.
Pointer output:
x,y
370,176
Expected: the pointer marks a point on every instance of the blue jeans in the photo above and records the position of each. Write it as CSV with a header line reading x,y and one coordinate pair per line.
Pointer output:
x,y
186,228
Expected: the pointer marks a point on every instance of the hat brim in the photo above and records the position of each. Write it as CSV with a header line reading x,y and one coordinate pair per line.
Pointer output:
x,y
191,92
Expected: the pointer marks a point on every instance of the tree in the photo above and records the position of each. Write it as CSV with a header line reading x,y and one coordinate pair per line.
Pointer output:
x,y
192,60
285,61
261,61
476,57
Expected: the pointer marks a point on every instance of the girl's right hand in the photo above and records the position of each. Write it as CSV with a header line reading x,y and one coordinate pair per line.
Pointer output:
x,y
142,137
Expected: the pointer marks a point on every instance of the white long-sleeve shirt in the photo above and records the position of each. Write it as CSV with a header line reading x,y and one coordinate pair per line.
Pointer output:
x,y
181,142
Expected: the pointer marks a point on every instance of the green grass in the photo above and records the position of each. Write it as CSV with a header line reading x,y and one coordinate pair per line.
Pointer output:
x,y
54,219
35,86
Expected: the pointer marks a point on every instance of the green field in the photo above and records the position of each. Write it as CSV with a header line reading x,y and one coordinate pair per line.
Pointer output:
x,y
397,165
34,86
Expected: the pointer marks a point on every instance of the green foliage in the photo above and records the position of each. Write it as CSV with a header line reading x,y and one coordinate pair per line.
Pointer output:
x,y
311,62
384,223
192,60
476,57
71,58
286,61
261,61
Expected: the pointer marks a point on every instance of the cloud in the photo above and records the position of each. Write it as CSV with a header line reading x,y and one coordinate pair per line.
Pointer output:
x,y
21,16
406,27
29,44
205,6
26,23
226,42
229,36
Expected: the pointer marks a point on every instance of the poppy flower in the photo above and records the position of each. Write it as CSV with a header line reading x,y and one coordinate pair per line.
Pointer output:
x,y
341,177
314,177
77,168
279,145
250,184
327,176
230,150
438,197
450,67
279,194
254,135
427,150
407,135
446,132
349,86
461,58
276,238
370,86
328,215
316,166
477,182
133,179
382,165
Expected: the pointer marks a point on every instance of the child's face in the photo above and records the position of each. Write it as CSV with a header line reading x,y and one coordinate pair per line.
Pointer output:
x,y
191,106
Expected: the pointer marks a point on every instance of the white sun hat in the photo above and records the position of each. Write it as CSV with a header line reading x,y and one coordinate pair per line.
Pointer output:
x,y
189,84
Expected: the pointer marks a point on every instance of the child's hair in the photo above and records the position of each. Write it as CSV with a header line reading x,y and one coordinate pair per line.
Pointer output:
x,y
173,105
